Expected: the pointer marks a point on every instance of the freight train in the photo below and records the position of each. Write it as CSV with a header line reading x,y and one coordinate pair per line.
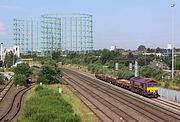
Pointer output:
x,y
143,86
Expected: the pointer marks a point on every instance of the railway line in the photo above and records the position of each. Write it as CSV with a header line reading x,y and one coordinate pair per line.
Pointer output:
x,y
106,108
5,89
168,103
125,105
15,106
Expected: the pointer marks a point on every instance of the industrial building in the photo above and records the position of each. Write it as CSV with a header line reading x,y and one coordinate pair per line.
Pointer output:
x,y
26,35
54,32
3,51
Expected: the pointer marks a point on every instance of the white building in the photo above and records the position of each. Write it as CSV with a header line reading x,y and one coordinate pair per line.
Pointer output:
x,y
14,49
113,47
4,50
157,54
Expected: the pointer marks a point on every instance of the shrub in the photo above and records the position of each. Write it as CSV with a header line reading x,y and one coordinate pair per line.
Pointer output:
x,y
1,80
20,79
49,74
167,84
38,88
150,72
177,80
23,69
42,79
125,74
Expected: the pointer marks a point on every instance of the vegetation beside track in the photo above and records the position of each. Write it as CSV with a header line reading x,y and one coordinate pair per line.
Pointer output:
x,y
47,105
22,72
49,73
78,106
50,104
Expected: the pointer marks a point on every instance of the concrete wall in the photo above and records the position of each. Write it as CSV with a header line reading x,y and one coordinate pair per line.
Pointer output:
x,y
169,94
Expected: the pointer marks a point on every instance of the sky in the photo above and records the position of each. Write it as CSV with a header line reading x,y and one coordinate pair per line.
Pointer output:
x,y
124,23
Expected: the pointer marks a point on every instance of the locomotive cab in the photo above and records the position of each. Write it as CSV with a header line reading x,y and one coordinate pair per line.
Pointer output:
x,y
152,87
146,87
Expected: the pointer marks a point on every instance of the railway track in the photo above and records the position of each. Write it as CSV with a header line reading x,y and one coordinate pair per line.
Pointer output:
x,y
88,101
168,103
5,89
113,109
103,106
149,110
15,106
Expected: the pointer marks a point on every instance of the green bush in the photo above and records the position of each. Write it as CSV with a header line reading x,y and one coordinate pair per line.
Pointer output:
x,y
49,74
20,79
48,106
177,80
42,79
167,84
38,88
23,69
125,74
1,80
149,72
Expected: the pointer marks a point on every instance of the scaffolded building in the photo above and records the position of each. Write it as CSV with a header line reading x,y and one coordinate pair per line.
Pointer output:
x,y
66,33
54,32
26,35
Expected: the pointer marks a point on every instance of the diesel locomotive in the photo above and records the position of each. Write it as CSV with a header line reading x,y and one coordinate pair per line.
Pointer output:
x,y
140,85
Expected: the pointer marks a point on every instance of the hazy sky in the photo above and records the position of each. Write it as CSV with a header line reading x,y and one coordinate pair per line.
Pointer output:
x,y
124,23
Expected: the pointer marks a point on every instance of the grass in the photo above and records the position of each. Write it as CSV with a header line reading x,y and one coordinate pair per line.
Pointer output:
x,y
78,106
47,105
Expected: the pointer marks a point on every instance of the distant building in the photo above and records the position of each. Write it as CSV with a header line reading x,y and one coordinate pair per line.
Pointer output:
x,y
15,50
113,47
156,54
136,52
54,32
169,46
69,32
158,65
26,34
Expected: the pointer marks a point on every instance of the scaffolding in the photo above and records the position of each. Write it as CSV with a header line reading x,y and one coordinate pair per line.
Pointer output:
x,y
52,32
26,35
71,32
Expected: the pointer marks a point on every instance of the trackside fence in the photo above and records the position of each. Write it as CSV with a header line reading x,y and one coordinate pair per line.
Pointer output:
x,y
169,94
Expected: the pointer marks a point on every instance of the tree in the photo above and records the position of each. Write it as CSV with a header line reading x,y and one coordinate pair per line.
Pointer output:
x,y
145,60
125,74
149,72
177,63
23,69
105,56
1,80
141,48
130,55
48,75
9,59
56,55
42,79
20,79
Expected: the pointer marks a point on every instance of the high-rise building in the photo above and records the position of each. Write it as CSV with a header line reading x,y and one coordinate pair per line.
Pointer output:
x,y
54,32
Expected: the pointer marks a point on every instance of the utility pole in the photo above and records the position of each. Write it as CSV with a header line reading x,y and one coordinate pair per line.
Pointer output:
x,y
172,38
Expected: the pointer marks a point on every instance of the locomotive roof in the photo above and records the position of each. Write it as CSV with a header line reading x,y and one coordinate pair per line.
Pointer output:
x,y
140,79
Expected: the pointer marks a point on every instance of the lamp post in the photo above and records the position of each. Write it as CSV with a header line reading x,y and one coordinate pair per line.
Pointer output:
x,y
172,38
